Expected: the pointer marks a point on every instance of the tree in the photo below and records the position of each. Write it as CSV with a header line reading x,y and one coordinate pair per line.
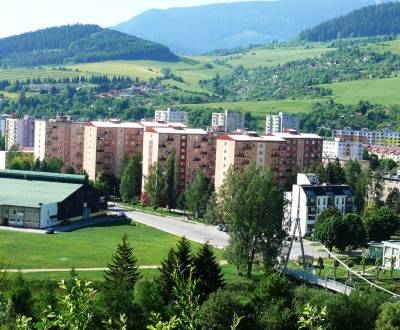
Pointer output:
x,y
123,270
355,232
380,223
335,173
207,271
376,186
21,297
172,180
336,264
392,265
53,165
104,183
378,265
197,194
388,164
332,232
180,261
212,214
329,212
365,154
2,142
364,260
155,186
312,318
252,206
131,179
393,200
389,318
70,170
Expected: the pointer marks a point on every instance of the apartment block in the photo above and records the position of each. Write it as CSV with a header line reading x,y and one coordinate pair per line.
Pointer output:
x,y
278,123
3,118
310,198
193,150
227,121
380,138
386,152
238,151
171,116
343,150
389,182
61,138
303,150
20,132
106,143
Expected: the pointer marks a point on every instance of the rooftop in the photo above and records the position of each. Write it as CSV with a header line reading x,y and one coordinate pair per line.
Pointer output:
x,y
114,124
251,138
327,190
27,189
296,135
176,130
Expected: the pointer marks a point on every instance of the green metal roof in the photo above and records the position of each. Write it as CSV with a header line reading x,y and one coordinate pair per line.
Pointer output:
x,y
43,176
28,193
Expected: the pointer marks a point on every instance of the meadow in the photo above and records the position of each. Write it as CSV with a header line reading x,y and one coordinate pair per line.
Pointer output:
x,y
380,91
31,73
90,247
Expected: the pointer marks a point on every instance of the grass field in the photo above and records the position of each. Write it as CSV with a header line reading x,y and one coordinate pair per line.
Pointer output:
x,y
29,73
83,248
259,107
381,91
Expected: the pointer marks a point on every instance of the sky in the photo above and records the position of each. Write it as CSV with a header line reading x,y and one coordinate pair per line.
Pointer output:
x,y
18,16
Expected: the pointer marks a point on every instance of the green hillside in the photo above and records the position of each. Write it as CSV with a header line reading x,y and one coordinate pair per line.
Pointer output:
x,y
77,43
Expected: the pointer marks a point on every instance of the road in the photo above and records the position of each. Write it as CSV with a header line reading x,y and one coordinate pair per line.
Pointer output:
x,y
201,233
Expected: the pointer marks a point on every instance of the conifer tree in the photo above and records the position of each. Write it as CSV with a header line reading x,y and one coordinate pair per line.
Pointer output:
x,y
207,271
123,270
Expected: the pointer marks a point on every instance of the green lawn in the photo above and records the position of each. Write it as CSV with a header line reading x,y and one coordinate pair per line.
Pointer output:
x,y
260,107
381,91
84,248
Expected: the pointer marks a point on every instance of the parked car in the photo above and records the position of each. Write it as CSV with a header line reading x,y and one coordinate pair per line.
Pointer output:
x,y
122,214
50,231
222,227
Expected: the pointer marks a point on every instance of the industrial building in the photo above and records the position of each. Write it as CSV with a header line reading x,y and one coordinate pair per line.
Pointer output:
x,y
40,200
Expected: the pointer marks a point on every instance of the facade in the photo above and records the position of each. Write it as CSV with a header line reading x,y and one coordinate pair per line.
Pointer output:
x,y
227,121
389,182
106,143
171,116
386,152
40,200
193,150
60,138
20,132
371,138
391,249
239,150
342,150
303,150
278,123
3,118
310,198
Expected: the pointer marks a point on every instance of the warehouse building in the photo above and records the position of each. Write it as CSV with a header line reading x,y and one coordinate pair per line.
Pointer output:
x,y
40,200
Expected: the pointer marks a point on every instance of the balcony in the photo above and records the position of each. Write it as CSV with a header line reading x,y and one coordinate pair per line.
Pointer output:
x,y
196,146
196,159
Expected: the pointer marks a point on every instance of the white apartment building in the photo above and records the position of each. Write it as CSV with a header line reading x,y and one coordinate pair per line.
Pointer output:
x,y
171,116
278,123
343,150
391,249
227,121
3,119
310,198
20,132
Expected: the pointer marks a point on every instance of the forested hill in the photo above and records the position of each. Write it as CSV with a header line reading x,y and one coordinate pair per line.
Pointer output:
x,y
373,20
77,43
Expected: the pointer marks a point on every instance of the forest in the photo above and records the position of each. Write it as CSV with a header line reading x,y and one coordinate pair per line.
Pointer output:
x,y
375,20
77,43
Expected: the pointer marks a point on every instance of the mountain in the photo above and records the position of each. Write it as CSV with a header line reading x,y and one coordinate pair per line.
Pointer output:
x,y
200,29
365,22
77,43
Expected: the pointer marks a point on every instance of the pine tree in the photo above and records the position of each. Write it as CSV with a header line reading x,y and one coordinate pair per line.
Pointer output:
x,y
207,271
124,269
178,261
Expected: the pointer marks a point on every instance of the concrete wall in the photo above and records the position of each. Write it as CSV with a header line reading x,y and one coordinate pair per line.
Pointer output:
x,y
48,215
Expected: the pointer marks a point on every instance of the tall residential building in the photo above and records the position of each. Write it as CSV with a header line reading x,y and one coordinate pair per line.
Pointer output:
x,y
193,150
310,198
227,121
388,182
380,138
239,150
343,150
60,138
20,132
281,122
171,116
3,118
106,143
303,149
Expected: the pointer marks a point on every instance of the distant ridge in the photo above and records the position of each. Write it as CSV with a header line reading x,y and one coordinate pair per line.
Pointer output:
x,y
201,29
77,43
381,19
